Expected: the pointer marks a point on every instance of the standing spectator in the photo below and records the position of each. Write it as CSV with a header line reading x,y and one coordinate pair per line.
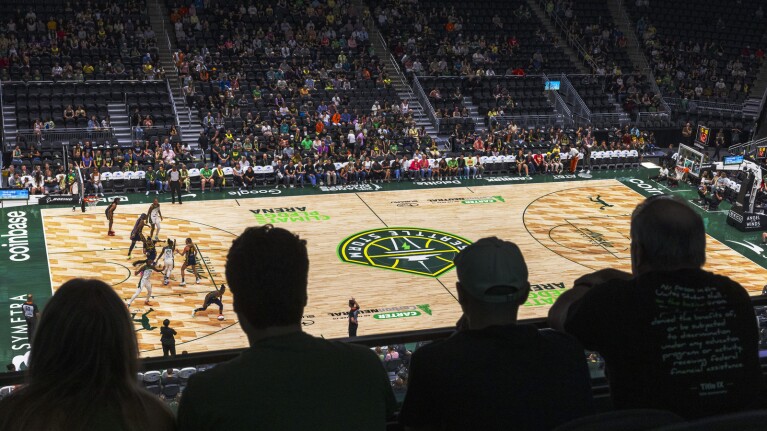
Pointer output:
x,y
31,314
203,143
718,144
496,371
82,368
687,133
174,180
167,339
354,311
673,336
270,297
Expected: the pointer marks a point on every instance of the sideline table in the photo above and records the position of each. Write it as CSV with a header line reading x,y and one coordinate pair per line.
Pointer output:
x,y
649,169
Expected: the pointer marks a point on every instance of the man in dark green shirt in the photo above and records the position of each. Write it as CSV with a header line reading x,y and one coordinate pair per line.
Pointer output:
x,y
151,180
162,177
287,379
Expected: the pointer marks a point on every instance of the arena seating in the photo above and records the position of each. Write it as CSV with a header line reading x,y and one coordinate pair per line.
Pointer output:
x,y
48,100
286,66
98,40
590,23
701,44
464,35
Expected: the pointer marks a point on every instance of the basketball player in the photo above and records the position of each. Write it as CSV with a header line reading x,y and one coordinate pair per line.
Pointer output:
x,y
155,217
213,298
149,250
137,233
145,271
190,259
110,213
168,253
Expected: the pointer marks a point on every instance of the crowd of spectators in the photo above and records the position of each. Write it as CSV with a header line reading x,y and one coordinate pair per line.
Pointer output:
x,y
532,150
77,41
589,24
715,59
287,80
467,39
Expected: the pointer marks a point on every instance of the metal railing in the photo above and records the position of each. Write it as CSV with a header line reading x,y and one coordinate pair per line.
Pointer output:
x,y
559,104
65,135
175,111
747,147
584,112
419,93
706,105
424,100
4,136
646,70
145,133
621,118
643,116
571,40
532,120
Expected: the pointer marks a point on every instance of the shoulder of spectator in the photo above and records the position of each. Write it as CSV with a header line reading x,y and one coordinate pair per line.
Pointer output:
x,y
596,282
160,416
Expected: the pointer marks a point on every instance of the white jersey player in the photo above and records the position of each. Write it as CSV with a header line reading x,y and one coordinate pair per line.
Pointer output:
x,y
155,217
145,272
168,253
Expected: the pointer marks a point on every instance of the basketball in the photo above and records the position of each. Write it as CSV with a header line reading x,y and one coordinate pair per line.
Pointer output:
x,y
220,317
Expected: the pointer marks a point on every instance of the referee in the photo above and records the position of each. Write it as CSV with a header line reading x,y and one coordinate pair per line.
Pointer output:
x,y
175,185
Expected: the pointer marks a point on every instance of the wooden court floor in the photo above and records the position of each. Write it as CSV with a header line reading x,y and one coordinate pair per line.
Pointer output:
x,y
391,250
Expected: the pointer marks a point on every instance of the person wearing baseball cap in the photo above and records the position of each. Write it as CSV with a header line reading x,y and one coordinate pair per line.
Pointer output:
x,y
493,372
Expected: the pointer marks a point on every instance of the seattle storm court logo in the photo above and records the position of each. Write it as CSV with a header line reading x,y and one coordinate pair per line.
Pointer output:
x,y
413,250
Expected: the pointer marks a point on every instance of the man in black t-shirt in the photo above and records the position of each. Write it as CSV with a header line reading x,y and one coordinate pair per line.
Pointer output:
x,y
311,175
31,314
290,175
673,336
496,374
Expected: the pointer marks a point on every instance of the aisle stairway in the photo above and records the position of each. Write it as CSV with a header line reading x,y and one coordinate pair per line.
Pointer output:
x,y
552,31
187,117
118,117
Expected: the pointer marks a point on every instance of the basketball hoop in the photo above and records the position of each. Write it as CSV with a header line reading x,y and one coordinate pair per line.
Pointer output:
x,y
91,201
680,170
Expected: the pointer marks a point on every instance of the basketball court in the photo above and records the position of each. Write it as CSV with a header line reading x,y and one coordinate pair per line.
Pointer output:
x,y
391,250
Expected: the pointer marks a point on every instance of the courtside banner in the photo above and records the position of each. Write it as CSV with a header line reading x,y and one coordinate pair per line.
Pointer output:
x,y
59,200
23,262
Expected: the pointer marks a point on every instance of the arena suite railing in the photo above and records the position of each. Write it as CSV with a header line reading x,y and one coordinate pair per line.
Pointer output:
x,y
705,105
204,358
145,133
747,147
59,136
532,120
